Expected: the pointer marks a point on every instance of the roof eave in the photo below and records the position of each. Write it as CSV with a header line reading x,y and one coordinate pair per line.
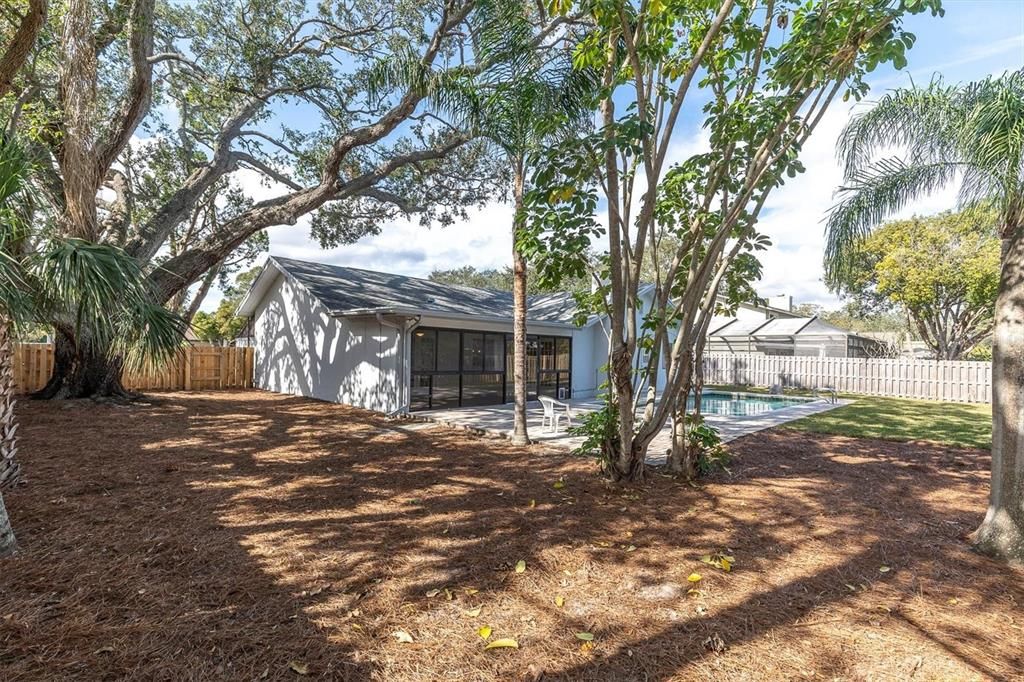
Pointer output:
x,y
425,312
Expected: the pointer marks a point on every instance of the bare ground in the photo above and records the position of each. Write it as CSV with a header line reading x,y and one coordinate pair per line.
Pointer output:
x,y
246,535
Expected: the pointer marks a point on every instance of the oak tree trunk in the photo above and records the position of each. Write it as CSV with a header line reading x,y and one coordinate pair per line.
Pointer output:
x,y
82,369
1002,532
519,431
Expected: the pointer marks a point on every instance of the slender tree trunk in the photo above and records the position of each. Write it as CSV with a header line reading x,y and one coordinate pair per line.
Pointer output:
x,y
1002,532
9,468
519,432
82,369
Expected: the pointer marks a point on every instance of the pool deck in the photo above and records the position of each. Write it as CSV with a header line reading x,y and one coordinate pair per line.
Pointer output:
x,y
496,420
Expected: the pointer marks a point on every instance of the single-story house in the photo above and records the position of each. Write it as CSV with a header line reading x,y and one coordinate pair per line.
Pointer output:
x,y
393,343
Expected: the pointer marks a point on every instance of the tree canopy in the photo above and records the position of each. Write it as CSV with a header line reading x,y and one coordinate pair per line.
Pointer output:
x,y
943,270
147,120
760,76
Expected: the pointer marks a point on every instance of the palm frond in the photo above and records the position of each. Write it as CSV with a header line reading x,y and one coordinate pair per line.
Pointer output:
x,y
15,218
103,293
925,122
873,194
149,334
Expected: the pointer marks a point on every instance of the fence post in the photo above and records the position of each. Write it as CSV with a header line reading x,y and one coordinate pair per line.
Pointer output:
x,y
188,368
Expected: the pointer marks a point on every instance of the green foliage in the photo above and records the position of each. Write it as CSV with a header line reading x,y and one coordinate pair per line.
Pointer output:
x,y
101,289
983,352
498,280
705,440
91,286
600,432
942,270
922,263
223,324
759,75
972,134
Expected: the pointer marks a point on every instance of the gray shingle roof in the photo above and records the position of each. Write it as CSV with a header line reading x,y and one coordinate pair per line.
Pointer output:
x,y
347,290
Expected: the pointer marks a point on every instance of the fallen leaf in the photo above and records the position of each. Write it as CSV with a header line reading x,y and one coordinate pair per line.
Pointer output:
x,y
473,613
402,636
694,593
533,503
299,667
559,484
694,577
631,548
433,593
884,569
721,561
585,636
521,566
502,644
954,601
448,594
471,591
484,631
559,601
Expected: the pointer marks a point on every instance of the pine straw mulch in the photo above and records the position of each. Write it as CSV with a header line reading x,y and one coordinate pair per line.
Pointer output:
x,y
243,535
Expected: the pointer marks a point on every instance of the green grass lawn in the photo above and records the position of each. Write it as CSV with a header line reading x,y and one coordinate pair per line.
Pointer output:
x,y
963,424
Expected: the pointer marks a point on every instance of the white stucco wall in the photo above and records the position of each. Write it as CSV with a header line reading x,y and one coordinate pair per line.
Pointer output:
x,y
300,350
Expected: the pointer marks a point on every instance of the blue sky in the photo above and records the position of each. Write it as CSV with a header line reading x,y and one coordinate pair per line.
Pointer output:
x,y
975,38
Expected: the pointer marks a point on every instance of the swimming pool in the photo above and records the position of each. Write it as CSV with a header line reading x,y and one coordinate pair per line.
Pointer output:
x,y
742,404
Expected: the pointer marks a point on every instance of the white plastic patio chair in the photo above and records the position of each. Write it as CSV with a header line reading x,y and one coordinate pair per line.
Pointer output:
x,y
553,413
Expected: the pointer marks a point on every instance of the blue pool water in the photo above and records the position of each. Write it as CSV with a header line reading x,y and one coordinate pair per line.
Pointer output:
x,y
741,404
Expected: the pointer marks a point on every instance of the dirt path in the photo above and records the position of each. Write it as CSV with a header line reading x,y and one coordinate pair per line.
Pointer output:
x,y
243,535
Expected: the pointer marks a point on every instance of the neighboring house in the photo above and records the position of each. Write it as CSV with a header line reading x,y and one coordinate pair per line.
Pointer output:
x,y
777,332
393,343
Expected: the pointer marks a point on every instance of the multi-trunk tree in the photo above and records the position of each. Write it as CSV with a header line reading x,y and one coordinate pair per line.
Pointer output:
x,y
942,271
760,75
333,106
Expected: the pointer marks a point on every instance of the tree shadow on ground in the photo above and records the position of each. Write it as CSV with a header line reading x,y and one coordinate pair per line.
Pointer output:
x,y
265,529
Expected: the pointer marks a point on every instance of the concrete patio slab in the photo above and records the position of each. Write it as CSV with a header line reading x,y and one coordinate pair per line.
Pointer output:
x,y
497,420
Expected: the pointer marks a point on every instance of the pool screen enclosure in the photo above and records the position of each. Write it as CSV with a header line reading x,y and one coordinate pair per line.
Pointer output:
x,y
461,368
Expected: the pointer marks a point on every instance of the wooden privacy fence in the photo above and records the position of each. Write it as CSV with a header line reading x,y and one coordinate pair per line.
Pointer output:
x,y
197,368
955,380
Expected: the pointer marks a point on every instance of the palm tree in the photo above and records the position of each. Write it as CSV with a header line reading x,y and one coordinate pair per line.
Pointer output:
x,y
530,96
97,286
973,136
13,176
